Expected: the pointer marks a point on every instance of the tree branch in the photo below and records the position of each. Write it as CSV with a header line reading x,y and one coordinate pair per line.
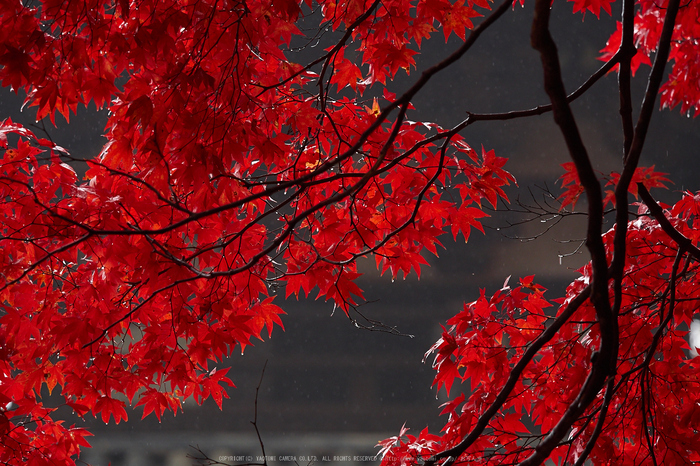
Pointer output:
x,y
542,109
657,212
605,363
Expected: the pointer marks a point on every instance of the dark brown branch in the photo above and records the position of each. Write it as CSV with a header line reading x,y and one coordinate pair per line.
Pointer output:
x,y
652,350
609,391
626,52
204,457
657,212
554,86
254,422
633,148
634,139
653,84
605,365
542,109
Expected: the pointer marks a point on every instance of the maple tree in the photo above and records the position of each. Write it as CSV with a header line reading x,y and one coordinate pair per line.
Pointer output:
x,y
229,169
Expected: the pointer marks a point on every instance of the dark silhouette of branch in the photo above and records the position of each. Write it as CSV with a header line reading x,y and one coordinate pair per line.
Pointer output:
x,y
204,459
633,146
657,212
254,422
545,108
609,390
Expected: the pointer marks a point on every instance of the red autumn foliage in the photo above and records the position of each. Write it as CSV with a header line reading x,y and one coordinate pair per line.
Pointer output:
x,y
228,168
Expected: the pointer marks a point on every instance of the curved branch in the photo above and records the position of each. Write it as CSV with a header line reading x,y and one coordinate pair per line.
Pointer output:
x,y
609,390
542,109
605,364
654,83
634,139
657,212
626,51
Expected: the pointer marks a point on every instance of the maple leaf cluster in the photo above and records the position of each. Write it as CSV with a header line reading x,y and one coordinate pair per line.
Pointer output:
x,y
231,170
572,186
485,345
682,86
222,177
